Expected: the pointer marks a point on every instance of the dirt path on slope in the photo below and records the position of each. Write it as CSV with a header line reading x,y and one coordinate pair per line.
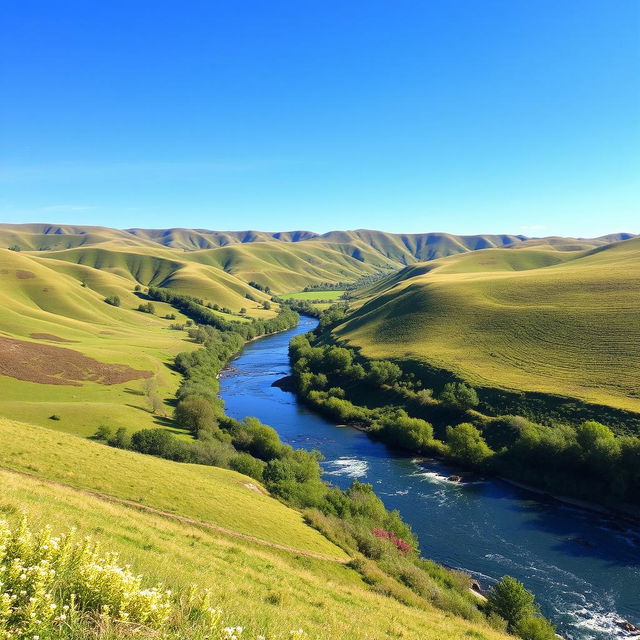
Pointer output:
x,y
182,519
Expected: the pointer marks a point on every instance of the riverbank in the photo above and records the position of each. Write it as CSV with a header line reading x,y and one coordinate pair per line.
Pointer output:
x,y
487,528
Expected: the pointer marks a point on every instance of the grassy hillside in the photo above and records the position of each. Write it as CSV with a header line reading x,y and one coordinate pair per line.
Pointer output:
x,y
53,325
266,589
285,261
536,320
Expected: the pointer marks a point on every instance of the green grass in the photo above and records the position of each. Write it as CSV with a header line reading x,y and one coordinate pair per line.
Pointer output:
x,y
531,320
209,494
265,590
314,295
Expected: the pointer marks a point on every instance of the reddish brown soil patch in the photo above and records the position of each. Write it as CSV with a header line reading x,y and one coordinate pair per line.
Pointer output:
x,y
50,337
47,364
24,275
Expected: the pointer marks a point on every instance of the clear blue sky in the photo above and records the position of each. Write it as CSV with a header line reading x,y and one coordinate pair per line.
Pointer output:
x,y
467,116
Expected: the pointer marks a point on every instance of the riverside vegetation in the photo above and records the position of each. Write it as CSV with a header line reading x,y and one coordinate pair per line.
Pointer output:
x,y
382,547
127,303
587,461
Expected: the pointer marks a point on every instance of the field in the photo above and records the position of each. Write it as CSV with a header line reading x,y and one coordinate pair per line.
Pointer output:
x,y
257,585
314,295
565,323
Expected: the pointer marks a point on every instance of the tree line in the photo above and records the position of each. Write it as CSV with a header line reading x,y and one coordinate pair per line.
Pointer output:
x,y
586,461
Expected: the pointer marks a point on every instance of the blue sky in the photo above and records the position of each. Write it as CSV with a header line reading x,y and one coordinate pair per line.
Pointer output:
x,y
467,116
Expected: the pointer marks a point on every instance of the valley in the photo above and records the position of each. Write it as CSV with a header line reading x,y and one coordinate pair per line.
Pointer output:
x,y
111,345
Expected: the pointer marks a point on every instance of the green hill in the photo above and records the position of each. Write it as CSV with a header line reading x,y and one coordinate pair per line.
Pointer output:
x,y
555,322
184,524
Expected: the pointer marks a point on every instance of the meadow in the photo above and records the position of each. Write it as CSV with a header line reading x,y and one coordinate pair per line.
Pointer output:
x,y
525,320
264,589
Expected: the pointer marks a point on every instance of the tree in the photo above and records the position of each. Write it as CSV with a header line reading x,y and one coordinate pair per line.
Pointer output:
x,y
384,372
408,433
137,288
590,433
266,305
467,445
114,301
337,359
459,395
197,415
147,308
120,439
243,311
511,601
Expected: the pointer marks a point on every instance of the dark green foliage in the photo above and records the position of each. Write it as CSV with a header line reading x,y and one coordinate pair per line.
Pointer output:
x,y
120,439
266,305
196,414
248,465
510,600
146,307
15,247
137,288
458,395
114,301
55,416
384,372
258,286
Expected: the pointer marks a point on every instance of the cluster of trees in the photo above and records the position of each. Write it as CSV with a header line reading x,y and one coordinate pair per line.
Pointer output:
x,y
114,301
147,307
585,461
259,287
196,310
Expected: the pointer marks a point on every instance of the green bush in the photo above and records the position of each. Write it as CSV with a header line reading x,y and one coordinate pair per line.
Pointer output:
x,y
114,301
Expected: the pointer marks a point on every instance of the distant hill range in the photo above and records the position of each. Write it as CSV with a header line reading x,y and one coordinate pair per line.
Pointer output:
x,y
374,248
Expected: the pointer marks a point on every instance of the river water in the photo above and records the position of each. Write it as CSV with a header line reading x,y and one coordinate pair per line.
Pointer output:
x,y
583,568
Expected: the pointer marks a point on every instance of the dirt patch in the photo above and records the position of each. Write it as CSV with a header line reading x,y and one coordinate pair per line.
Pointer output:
x,y
46,364
253,487
50,337
24,275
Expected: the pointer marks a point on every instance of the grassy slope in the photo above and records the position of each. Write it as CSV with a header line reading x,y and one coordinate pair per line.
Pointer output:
x,y
259,587
314,295
52,301
566,323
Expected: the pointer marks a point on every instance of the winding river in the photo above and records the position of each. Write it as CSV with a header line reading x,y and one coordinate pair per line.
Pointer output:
x,y
583,568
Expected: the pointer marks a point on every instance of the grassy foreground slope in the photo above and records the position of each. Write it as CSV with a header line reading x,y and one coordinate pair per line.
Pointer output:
x,y
263,588
530,320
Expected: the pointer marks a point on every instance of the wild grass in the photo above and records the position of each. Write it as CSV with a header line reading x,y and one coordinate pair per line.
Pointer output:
x,y
528,320
314,295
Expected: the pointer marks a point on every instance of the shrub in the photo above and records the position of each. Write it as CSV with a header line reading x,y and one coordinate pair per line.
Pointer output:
x,y
114,301
248,465
535,628
147,307
58,587
55,416
467,445
458,395
510,600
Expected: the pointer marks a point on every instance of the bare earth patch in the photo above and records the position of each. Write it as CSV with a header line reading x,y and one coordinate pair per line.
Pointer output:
x,y
46,364
50,337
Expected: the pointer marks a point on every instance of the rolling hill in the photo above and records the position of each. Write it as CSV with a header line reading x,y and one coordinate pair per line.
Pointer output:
x,y
534,319
192,259
267,570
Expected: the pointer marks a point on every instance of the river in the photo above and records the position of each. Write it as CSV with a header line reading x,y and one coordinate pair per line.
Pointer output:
x,y
583,568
